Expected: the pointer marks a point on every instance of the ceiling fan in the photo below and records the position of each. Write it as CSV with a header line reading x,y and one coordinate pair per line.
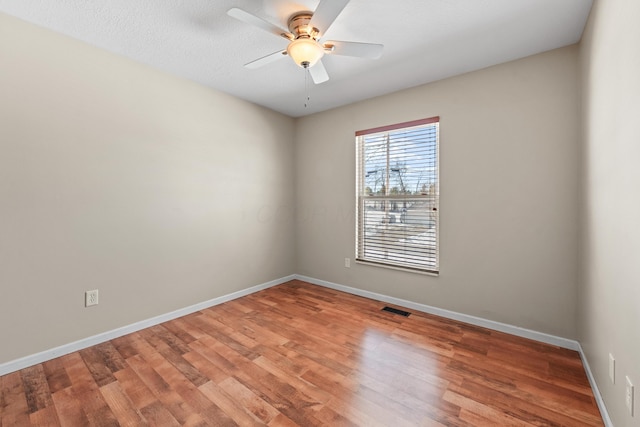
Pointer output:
x,y
306,38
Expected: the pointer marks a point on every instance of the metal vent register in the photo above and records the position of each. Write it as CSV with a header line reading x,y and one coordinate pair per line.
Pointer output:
x,y
396,311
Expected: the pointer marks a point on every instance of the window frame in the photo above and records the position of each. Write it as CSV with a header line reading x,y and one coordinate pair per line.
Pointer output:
x,y
362,198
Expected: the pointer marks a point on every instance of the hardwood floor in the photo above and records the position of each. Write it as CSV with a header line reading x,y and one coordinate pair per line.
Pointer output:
x,y
298,354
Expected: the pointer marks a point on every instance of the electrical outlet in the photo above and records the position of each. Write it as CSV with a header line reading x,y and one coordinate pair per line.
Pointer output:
x,y
347,262
629,396
612,369
91,298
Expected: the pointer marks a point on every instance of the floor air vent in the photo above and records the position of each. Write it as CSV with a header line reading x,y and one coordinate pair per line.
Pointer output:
x,y
396,311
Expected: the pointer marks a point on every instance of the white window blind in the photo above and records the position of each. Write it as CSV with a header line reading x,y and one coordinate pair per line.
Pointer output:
x,y
397,195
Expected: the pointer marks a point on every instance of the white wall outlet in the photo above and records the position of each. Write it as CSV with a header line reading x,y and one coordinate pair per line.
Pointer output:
x,y
629,396
91,298
347,262
612,369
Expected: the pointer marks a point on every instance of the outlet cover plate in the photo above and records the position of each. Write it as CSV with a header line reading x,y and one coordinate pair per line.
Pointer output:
x,y
91,298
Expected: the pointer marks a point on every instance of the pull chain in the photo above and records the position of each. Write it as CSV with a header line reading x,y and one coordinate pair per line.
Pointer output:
x,y
306,87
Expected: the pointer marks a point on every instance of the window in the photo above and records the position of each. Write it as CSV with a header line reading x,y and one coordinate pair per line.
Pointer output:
x,y
397,195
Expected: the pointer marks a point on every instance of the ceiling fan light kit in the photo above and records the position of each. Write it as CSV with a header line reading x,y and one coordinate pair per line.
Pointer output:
x,y
306,44
305,52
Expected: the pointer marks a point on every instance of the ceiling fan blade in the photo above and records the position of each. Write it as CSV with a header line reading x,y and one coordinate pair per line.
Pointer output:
x,y
266,59
318,73
256,21
361,50
327,12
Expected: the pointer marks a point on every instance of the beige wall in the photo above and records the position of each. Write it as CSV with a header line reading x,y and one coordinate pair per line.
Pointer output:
x,y
154,190
609,315
509,184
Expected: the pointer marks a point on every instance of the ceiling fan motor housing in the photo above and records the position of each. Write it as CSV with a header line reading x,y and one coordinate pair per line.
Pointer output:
x,y
299,26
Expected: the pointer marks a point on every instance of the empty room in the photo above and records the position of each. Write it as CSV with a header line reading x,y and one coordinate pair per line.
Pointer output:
x,y
319,212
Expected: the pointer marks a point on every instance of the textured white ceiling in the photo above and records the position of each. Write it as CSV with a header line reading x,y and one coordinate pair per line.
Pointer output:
x,y
425,40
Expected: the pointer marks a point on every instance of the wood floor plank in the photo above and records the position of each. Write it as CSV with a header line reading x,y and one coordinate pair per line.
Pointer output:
x,y
14,408
205,366
85,390
135,389
184,324
521,387
121,406
255,330
228,403
357,412
112,359
282,421
187,369
262,410
127,345
157,414
416,396
473,411
302,355
36,388
229,327
523,407
173,341
188,391
179,332
69,409
267,386
169,398
305,387
97,366
329,417
136,345
56,375
45,417
214,329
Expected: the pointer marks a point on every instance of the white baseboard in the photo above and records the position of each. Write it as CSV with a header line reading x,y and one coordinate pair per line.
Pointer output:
x,y
596,390
478,321
34,359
